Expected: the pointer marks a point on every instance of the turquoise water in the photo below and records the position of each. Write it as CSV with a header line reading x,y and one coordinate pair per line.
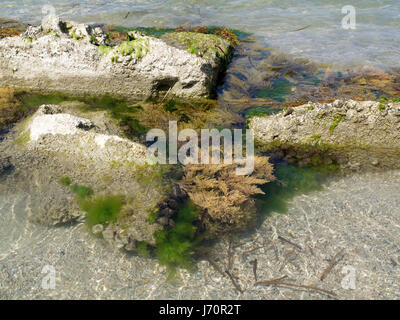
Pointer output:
x,y
374,42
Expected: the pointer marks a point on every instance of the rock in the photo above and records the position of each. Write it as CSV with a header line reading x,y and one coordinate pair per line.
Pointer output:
x,y
53,24
5,164
58,142
164,221
353,134
52,131
166,212
108,235
74,58
173,204
171,223
178,192
289,111
98,228
32,32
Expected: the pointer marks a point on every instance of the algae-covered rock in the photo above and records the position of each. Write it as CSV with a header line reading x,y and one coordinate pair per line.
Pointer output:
x,y
351,134
76,168
76,58
9,111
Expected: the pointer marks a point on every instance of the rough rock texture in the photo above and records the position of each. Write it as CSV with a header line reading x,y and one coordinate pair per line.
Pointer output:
x,y
5,164
72,57
350,133
53,144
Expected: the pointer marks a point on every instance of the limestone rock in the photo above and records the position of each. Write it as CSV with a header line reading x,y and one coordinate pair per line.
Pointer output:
x,y
72,57
58,142
354,134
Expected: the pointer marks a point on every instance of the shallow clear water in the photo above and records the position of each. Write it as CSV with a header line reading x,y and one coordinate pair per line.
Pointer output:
x,y
25,248
374,42
348,212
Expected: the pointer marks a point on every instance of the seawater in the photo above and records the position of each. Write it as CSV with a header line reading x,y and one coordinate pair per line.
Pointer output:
x,y
374,42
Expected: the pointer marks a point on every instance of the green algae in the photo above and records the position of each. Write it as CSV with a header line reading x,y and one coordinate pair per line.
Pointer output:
x,y
81,192
102,210
261,111
335,122
24,138
279,90
104,50
199,44
148,31
143,249
31,100
99,209
66,181
382,107
176,246
389,99
152,217
139,47
74,35
93,40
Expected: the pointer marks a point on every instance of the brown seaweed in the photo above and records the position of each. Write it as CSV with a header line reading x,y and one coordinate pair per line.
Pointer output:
x,y
332,263
255,264
235,284
290,242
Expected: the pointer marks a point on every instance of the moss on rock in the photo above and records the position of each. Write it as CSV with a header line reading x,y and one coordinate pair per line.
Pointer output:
x,y
138,47
200,44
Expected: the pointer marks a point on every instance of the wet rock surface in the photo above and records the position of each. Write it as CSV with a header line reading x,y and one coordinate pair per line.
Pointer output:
x,y
72,57
356,135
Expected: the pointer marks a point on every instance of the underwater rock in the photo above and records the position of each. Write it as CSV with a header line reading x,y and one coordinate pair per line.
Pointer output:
x,y
72,166
5,164
352,134
73,57
49,130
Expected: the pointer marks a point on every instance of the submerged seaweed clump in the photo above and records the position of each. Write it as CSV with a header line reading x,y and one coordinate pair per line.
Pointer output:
x,y
175,246
192,113
10,108
260,77
102,210
9,32
225,196
10,28
81,192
